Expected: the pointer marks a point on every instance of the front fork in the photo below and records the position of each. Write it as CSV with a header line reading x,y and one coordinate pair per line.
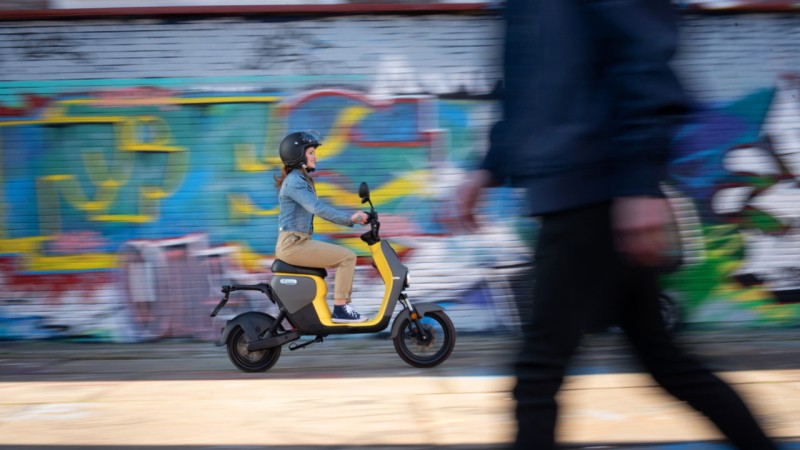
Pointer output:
x,y
418,332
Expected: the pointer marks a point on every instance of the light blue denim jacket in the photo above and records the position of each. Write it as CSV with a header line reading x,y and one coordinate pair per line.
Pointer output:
x,y
299,204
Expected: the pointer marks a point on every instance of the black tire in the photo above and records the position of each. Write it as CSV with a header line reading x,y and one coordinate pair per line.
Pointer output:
x,y
431,353
246,361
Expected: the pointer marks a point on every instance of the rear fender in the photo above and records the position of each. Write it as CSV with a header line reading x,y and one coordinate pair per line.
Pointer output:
x,y
253,323
421,308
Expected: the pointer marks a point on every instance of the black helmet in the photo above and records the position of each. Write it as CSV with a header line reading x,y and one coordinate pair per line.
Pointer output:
x,y
293,147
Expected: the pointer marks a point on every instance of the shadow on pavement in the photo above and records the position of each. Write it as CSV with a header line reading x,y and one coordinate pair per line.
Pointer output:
x,y
474,355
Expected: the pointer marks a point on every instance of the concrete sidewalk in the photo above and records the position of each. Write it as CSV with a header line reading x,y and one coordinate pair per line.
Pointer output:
x,y
357,394
363,412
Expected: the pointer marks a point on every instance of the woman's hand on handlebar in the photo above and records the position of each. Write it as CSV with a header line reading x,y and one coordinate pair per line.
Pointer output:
x,y
359,217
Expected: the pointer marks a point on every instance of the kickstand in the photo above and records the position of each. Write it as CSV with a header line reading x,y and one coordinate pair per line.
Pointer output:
x,y
293,346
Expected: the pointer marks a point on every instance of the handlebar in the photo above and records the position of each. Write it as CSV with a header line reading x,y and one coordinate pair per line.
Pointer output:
x,y
373,235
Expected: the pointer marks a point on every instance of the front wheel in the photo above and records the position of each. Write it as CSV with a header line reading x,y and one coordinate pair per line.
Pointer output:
x,y
247,361
429,346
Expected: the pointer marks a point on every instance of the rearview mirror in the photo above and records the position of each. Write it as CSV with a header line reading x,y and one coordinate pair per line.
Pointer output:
x,y
363,192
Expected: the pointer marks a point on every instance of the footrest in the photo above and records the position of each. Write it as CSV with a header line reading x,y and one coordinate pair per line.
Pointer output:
x,y
294,346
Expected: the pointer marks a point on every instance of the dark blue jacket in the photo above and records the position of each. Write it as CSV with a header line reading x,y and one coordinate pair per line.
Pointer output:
x,y
589,100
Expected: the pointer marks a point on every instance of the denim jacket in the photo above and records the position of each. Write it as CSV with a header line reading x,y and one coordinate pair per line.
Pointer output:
x,y
299,203
590,113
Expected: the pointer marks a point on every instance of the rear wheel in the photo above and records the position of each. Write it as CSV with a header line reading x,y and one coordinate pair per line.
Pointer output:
x,y
429,346
247,361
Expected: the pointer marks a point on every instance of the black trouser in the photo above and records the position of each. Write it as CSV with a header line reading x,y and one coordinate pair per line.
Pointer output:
x,y
581,283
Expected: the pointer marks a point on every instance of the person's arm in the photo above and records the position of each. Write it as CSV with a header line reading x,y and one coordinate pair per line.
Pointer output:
x,y
301,192
638,38
489,173
469,193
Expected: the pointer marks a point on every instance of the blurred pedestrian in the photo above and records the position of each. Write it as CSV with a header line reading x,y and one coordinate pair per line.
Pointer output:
x,y
589,105
299,204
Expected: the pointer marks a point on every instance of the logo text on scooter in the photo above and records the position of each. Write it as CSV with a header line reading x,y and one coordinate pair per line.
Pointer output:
x,y
288,281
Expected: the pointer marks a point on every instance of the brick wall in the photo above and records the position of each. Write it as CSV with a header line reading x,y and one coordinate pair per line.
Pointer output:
x,y
11,5
136,163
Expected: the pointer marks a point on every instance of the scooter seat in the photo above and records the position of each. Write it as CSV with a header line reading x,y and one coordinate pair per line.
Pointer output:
x,y
280,266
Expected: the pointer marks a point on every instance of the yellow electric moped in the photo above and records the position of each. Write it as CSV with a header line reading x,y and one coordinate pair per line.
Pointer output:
x,y
423,334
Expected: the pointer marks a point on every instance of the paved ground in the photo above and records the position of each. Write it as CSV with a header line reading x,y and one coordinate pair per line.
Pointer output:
x,y
356,393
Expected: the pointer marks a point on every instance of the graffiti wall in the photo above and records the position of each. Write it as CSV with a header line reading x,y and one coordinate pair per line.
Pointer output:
x,y
735,174
137,161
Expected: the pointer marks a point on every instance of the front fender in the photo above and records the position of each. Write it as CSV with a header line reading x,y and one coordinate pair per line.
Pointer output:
x,y
252,322
422,309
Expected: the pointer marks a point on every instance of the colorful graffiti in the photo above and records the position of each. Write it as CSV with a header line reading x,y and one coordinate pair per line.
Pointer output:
x,y
124,210
742,5
736,171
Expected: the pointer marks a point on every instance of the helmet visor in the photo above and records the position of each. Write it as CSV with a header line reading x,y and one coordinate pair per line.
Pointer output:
x,y
311,138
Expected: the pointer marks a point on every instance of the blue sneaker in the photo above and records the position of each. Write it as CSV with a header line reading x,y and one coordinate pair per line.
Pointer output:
x,y
345,313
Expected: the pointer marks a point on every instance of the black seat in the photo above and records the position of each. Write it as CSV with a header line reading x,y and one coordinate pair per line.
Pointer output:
x,y
283,267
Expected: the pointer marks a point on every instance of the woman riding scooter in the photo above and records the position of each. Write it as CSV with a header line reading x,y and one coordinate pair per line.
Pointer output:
x,y
423,334
299,204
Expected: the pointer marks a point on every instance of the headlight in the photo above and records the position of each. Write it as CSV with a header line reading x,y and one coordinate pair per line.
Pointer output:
x,y
408,280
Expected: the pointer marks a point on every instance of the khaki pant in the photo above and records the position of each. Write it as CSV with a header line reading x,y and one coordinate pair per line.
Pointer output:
x,y
299,249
